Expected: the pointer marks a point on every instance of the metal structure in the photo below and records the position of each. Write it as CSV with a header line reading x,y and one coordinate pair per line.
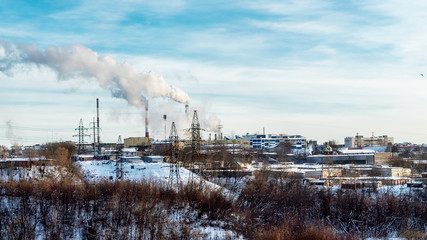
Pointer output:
x,y
94,137
174,165
81,135
120,173
164,123
147,133
119,144
97,125
195,138
196,141
219,131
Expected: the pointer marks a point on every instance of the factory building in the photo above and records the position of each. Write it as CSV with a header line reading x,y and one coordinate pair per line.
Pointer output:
x,y
374,141
263,141
140,143
341,159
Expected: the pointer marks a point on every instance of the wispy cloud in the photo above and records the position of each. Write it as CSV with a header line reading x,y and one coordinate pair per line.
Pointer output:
x,y
293,66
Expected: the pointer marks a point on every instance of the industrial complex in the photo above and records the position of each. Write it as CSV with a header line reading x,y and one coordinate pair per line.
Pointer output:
x,y
360,159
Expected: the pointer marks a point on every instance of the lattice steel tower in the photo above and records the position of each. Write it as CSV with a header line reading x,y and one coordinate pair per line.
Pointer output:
x,y
174,165
81,135
195,139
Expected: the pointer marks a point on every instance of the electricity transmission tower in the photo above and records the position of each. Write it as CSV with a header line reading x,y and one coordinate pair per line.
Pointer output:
x,y
195,141
81,136
174,166
119,144
120,173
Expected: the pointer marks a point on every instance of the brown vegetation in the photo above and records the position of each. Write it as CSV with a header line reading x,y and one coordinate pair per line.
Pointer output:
x,y
287,209
280,208
106,210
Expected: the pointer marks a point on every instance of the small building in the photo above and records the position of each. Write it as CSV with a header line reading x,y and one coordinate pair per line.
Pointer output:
x,y
129,159
352,185
385,171
154,159
372,184
137,142
382,158
324,173
128,152
84,157
414,184
327,183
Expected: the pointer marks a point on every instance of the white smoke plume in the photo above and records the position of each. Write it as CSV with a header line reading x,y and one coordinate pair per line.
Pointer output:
x,y
122,79
14,140
208,123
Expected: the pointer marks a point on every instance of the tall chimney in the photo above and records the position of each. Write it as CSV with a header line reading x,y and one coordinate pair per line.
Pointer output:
x,y
97,124
147,134
164,120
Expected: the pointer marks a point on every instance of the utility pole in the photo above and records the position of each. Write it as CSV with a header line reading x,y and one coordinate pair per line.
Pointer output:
x,y
97,125
94,138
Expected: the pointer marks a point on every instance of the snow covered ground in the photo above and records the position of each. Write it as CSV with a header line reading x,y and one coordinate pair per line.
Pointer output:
x,y
139,171
136,171
32,173
158,172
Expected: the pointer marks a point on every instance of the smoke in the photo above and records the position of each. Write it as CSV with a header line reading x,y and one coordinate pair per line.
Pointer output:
x,y
122,79
14,140
208,123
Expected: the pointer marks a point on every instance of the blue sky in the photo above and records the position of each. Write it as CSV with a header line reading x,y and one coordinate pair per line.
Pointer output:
x,y
322,69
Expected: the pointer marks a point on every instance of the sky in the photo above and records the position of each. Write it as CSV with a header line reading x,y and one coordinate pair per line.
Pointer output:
x,y
322,69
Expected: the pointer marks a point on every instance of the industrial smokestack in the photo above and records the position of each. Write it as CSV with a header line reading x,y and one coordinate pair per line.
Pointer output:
x,y
164,123
186,109
147,133
97,124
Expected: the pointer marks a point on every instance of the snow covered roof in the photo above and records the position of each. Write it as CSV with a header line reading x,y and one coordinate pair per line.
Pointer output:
x,y
379,149
133,150
355,151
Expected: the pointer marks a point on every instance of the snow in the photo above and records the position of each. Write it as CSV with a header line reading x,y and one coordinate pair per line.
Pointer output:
x,y
30,173
138,171
106,169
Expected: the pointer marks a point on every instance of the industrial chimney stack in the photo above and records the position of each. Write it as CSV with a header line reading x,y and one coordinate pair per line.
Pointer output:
x,y
147,134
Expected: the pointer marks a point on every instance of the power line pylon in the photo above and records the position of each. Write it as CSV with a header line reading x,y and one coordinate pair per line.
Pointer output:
x,y
120,173
174,165
119,144
195,140
81,135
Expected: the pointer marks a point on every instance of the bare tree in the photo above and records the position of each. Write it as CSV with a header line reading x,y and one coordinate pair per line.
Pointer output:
x,y
4,152
283,150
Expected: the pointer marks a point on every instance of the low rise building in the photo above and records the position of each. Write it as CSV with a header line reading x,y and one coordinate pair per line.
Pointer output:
x,y
264,141
140,143
385,171
360,141
341,159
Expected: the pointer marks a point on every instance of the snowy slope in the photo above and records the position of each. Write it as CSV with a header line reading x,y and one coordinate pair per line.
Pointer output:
x,y
106,170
